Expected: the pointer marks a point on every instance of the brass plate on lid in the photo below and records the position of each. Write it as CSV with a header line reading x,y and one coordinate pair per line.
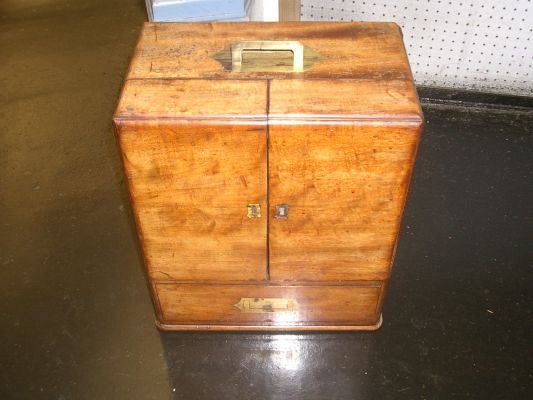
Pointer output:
x,y
267,56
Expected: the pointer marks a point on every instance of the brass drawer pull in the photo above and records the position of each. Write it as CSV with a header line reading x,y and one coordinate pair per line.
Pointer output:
x,y
261,305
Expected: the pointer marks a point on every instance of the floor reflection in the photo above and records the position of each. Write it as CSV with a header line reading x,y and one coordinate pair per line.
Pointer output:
x,y
271,366
287,353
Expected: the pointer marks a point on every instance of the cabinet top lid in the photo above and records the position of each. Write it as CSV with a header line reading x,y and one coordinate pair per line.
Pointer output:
x,y
333,50
292,71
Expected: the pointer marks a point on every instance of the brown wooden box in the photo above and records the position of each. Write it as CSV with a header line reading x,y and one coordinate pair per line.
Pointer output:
x,y
268,166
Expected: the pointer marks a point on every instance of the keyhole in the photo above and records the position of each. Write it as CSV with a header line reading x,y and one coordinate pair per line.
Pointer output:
x,y
282,211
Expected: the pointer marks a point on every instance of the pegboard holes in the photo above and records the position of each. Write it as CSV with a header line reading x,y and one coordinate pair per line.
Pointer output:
x,y
446,35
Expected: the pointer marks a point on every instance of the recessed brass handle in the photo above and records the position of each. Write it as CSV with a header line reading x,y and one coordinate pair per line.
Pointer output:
x,y
268,45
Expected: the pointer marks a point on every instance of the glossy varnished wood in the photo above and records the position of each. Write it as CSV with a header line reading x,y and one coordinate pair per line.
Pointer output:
x,y
190,185
345,186
267,328
324,101
336,143
351,50
193,100
186,304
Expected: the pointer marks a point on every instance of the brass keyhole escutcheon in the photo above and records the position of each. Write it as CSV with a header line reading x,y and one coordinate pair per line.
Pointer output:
x,y
282,211
254,211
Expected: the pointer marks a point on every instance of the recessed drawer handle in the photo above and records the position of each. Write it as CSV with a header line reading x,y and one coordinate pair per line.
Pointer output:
x,y
261,305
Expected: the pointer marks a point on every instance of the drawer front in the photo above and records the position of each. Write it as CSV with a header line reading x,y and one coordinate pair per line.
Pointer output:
x,y
268,306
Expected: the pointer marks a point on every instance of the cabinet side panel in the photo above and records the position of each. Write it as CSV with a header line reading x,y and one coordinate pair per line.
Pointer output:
x,y
190,186
345,187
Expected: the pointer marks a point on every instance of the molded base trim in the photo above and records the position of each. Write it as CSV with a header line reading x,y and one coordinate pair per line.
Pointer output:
x,y
293,328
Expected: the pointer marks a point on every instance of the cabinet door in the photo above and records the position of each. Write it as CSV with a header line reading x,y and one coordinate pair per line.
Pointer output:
x,y
344,187
191,185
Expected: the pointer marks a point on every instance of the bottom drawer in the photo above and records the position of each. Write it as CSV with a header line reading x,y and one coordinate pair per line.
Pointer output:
x,y
242,307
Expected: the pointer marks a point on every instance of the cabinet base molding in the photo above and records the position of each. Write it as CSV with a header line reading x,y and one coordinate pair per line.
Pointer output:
x,y
277,328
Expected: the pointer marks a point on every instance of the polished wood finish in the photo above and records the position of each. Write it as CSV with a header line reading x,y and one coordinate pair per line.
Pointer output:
x,y
365,50
186,304
209,152
190,187
345,186
354,100
280,328
193,100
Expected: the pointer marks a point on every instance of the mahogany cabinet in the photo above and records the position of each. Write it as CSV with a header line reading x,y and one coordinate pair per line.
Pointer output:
x,y
268,167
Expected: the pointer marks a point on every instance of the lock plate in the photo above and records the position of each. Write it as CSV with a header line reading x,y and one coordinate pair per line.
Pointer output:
x,y
254,211
282,211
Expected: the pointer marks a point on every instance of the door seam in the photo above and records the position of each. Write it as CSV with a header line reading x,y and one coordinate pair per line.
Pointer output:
x,y
267,182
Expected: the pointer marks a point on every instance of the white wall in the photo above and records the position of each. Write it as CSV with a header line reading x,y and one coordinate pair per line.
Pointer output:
x,y
481,45
263,10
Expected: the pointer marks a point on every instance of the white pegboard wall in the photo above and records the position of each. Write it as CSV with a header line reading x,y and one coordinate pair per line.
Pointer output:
x,y
474,45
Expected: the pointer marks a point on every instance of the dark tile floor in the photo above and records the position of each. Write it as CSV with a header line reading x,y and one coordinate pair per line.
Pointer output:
x,y
75,316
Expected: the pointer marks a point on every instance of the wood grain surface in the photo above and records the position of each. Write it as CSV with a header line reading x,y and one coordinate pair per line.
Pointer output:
x,y
343,100
365,50
185,304
201,144
220,100
190,186
289,10
345,187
